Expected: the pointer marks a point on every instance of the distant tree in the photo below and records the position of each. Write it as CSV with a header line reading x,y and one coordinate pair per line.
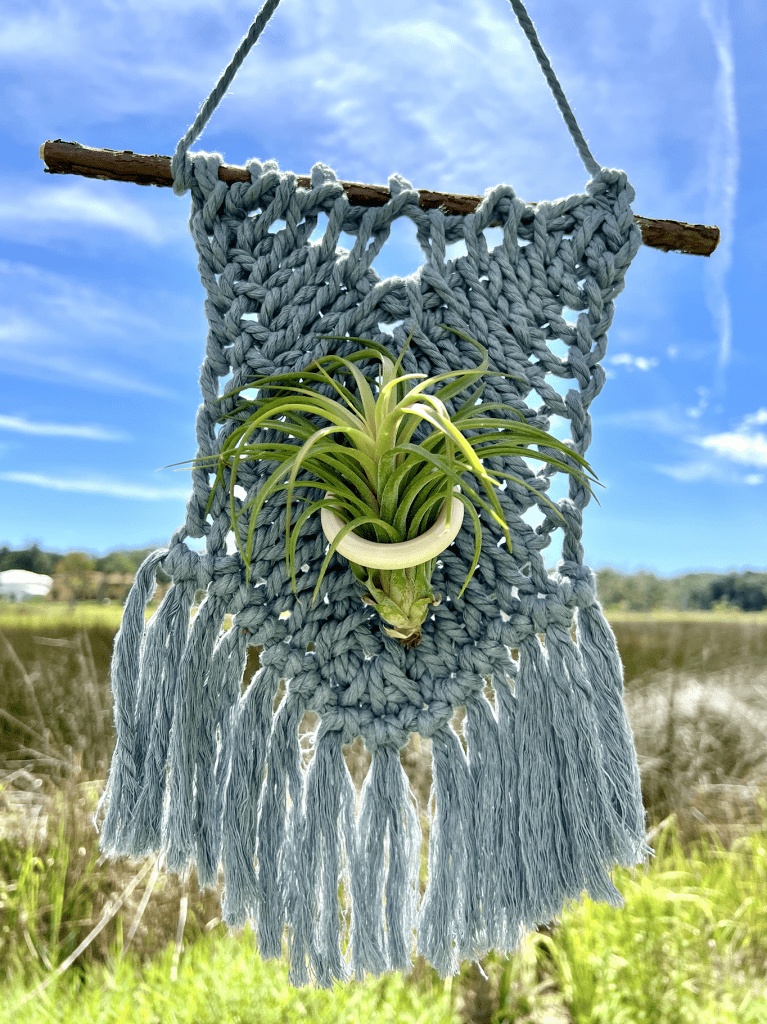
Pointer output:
x,y
747,590
116,561
122,561
692,591
640,592
31,559
611,588
75,567
644,591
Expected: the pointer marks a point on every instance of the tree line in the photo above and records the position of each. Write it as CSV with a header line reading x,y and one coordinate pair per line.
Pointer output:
x,y
643,591
640,591
50,563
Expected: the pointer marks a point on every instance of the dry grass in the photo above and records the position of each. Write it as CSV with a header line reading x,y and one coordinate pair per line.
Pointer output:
x,y
702,747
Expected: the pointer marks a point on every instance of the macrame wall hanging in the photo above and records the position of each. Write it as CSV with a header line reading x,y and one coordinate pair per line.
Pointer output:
x,y
546,797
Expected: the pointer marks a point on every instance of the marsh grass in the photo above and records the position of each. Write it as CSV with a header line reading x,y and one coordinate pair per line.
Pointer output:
x,y
700,643
690,944
37,615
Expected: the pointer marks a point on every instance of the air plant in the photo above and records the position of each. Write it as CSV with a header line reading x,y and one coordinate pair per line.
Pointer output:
x,y
380,484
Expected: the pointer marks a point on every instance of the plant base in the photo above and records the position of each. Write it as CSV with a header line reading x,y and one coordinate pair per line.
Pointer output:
x,y
401,597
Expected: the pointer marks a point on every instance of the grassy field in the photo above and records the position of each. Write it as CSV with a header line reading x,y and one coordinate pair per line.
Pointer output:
x,y
89,614
38,615
690,945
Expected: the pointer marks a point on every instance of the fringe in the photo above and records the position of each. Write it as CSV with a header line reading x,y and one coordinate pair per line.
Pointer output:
x,y
488,928
602,665
561,786
275,872
588,815
543,843
446,913
247,757
164,641
512,891
190,765
314,927
387,807
123,783
545,799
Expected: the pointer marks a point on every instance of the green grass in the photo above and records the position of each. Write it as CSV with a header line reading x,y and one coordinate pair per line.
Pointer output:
x,y
37,615
690,945
690,942
221,981
43,615
616,614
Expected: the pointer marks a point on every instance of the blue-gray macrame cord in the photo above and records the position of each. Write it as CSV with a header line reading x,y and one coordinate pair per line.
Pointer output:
x,y
547,797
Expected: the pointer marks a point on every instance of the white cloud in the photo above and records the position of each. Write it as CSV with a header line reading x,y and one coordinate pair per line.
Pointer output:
x,y
88,432
713,469
692,472
754,419
59,297
750,449
74,370
77,204
633,362
695,412
112,489
743,446
38,34
727,450
41,361
663,420
53,327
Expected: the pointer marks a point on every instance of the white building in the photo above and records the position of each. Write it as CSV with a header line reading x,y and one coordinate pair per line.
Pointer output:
x,y
20,585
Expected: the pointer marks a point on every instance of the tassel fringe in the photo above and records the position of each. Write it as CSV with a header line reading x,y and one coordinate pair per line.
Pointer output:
x,y
543,802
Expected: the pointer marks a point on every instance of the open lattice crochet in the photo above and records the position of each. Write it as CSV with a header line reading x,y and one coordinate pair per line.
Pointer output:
x,y
546,797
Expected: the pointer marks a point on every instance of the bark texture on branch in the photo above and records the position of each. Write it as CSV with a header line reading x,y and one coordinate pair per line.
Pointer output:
x,y
124,165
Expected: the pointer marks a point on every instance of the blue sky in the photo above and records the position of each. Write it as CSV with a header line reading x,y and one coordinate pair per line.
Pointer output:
x,y
102,326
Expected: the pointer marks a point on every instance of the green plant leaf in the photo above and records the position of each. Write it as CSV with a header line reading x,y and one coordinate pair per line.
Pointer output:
x,y
495,511
299,458
368,404
390,493
477,539
416,528
418,491
290,553
348,528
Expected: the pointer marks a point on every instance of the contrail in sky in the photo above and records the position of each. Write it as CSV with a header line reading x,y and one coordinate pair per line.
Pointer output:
x,y
724,159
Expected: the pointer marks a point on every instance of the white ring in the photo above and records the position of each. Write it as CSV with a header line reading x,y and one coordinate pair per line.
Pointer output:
x,y
382,555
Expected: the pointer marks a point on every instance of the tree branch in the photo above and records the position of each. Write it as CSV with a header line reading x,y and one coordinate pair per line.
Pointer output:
x,y
124,165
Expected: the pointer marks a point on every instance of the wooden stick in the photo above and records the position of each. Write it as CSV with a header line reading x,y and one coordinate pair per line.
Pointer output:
x,y
124,165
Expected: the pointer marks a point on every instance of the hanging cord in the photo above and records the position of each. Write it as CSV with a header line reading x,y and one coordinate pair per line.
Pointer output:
x,y
564,107
268,10
219,89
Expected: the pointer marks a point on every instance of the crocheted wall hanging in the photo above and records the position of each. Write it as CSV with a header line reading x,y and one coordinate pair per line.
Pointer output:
x,y
545,798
